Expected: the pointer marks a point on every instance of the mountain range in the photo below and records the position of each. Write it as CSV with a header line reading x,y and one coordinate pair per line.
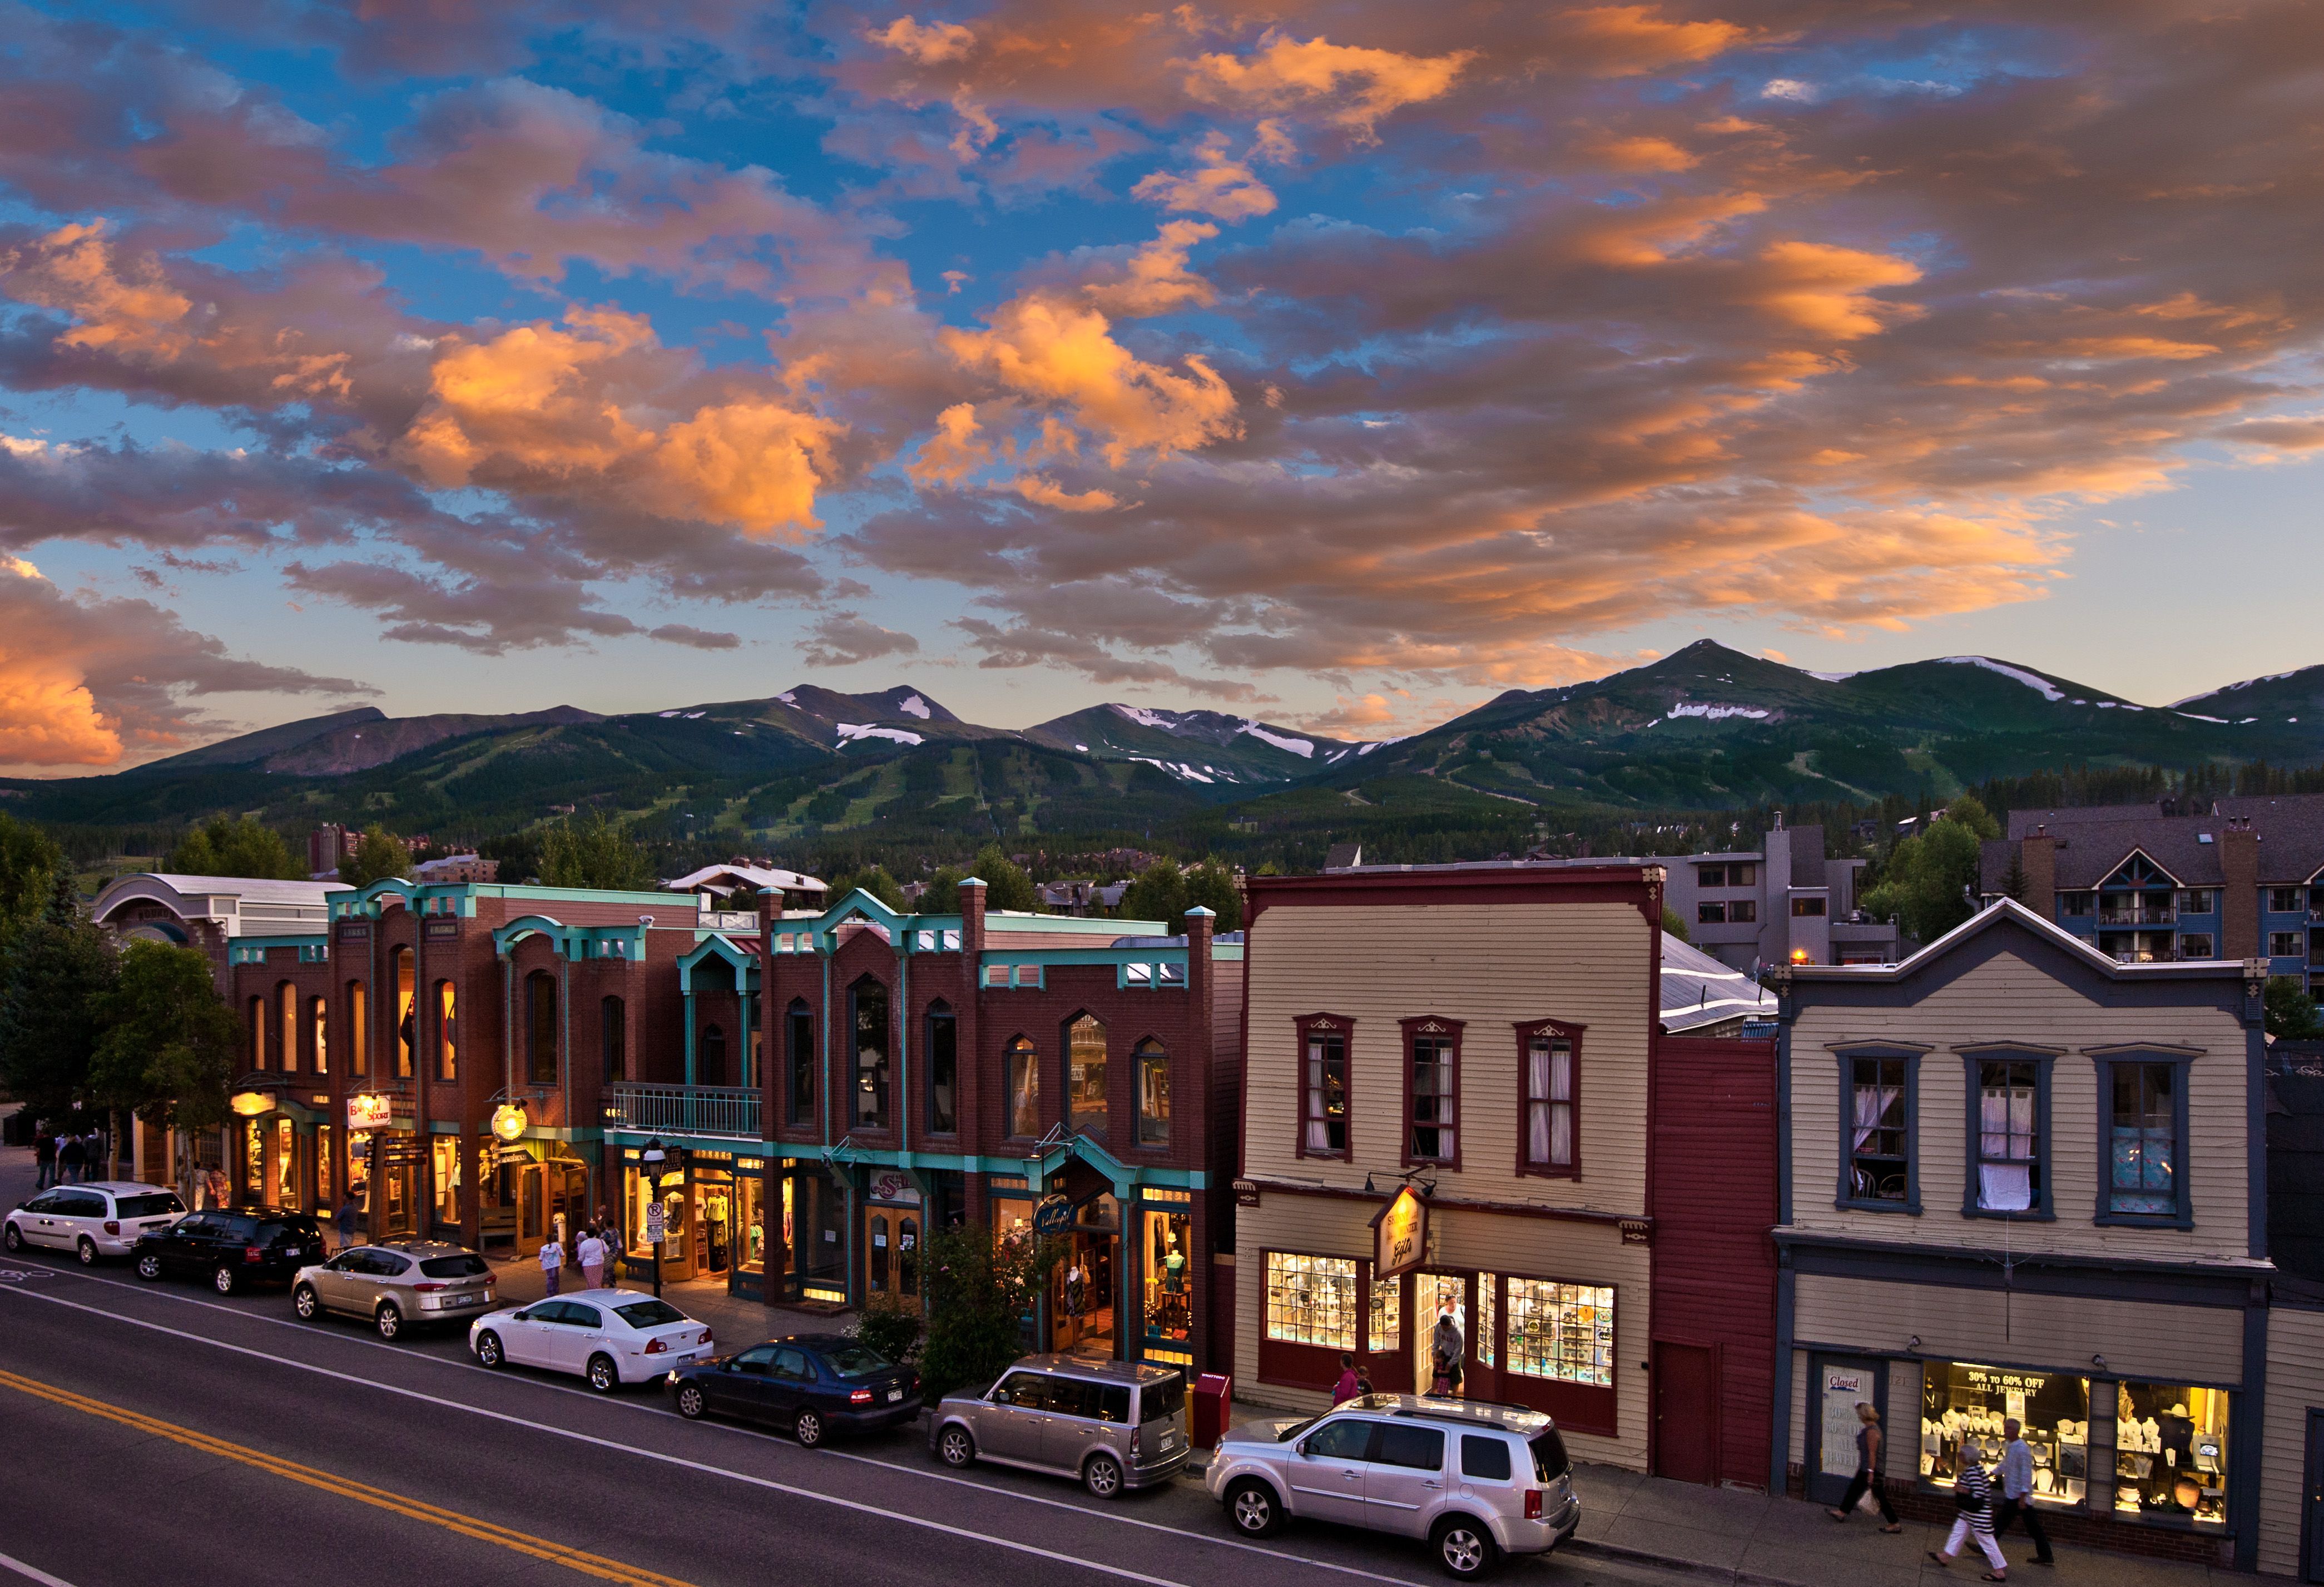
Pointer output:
x,y
1707,727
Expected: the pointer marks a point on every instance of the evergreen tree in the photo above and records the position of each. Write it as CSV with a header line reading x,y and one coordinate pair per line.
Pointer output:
x,y
943,895
1929,882
169,1042
593,853
236,848
1006,884
1673,925
1212,886
874,880
58,966
1158,892
2289,1013
30,863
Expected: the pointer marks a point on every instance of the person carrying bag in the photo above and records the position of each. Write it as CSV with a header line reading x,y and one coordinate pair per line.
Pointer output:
x,y
1866,1484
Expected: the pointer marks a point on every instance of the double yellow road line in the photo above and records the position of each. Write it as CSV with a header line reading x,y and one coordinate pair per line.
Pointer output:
x,y
524,1543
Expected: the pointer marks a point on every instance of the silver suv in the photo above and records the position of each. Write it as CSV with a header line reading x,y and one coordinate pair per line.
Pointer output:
x,y
396,1285
1476,1480
1113,1424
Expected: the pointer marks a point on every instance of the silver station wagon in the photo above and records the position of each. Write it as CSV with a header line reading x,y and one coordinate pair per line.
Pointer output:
x,y
1113,1424
398,1286
1476,1480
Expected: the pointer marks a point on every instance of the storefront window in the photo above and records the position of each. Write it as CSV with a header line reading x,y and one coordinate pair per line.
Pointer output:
x,y
1561,1330
253,1163
1024,1089
319,1017
359,1148
324,1200
286,1166
444,1153
1311,1300
750,1226
1386,1332
1962,1407
1166,1233
2171,1453
1487,1288
907,1256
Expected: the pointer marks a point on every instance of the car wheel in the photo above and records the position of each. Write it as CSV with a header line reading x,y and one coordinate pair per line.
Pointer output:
x,y
691,1401
149,1266
1253,1508
86,1250
488,1349
1464,1548
1102,1476
604,1376
13,1238
388,1320
955,1448
222,1279
808,1429
306,1303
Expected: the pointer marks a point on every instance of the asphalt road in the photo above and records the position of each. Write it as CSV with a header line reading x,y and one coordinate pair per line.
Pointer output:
x,y
155,1434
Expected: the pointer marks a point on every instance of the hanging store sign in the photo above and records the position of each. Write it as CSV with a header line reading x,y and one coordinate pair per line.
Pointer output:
x,y
894,1190
1400,1235
367,1109
250,1104
509,1122
1055,1216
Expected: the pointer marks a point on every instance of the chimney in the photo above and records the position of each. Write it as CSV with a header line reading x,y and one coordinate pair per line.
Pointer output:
x,y
2239,890
972,921
2037,856
1202,984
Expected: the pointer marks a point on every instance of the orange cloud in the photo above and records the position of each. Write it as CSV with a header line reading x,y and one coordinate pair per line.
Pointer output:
x,y
48,718
1155,278
1219,186
1824,290
954,452
1047,493
1355,87
1624,40
71,268
929,43
1642,154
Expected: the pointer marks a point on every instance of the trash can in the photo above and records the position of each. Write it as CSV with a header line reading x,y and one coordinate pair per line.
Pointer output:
x,y
1208,1417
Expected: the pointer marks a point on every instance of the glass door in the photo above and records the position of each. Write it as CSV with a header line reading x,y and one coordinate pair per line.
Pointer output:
x,y
1841,1384
1439,1299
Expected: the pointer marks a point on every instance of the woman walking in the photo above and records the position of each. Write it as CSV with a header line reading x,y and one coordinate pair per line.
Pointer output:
x,y
1868,1479
1973,1517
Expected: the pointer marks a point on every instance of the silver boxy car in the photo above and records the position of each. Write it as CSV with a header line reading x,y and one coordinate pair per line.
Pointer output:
x,y
1476,1480
397,1285
1113,1424
102,1218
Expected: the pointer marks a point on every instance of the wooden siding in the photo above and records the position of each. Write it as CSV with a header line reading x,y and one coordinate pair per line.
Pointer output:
x,y
1579,1253
2010,999
2139,1339
2295,1381
1492,965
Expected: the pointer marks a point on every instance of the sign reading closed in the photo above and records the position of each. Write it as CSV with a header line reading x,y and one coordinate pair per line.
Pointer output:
x,y
1400,1235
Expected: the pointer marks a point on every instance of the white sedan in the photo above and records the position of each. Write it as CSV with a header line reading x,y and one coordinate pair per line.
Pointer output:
x,y
609,1336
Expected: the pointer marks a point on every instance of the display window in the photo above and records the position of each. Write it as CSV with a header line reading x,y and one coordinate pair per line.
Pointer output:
x,y
1562,1331
1963,1406
325,1201
1385,1326
1311,1300
253,1163
286,1166
2171,1453
445,1181
1166,1234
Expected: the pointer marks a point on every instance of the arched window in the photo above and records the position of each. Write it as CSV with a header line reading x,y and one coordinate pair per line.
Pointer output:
x,y
1024,1088
286,998
1086,1076
710,1056
258,1033
870,1022
943,1069
617,1039
798,1056
407,1037
1153,1094
359,1026
318,1015
540,1027
448,1031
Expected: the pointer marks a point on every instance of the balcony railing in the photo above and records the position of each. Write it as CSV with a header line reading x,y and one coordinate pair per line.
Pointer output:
x,y
2148,915
729,1111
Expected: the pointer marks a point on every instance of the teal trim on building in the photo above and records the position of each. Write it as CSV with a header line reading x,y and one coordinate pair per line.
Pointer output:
x,y
252,950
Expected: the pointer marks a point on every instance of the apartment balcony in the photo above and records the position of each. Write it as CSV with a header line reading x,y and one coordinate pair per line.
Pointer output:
x,y
729,1111
2138,914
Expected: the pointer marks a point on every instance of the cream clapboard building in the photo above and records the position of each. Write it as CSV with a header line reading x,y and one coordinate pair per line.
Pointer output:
x,y
1484,1033
2024,1180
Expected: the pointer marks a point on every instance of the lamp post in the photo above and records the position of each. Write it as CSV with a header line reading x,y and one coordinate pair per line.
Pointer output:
x,y
653,1157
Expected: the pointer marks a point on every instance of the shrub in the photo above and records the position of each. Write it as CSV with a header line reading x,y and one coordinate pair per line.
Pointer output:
x,y
889,1326
979,1291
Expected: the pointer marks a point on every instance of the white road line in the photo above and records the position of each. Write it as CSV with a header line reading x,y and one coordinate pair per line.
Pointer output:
x,y
311,1331
671,1459
32,1572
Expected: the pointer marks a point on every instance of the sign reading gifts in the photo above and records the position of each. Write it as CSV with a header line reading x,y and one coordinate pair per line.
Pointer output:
x,y
1400,1235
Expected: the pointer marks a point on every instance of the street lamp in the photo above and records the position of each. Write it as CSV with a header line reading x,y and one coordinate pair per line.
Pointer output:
x,y
653,1158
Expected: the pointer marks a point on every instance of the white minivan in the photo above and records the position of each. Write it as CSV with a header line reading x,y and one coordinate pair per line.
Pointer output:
x,y
100,1219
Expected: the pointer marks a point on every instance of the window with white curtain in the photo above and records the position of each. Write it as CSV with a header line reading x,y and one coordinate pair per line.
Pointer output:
x,y
1549,1101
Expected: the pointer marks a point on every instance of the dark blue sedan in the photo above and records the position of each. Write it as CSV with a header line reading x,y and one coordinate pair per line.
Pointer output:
x,y
814,1384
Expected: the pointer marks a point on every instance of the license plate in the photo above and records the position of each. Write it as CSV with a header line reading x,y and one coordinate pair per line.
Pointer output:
x,y
1168,1440
894,1395
465,1300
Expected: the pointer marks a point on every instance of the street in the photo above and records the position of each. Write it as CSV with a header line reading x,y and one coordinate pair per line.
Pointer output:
x,y
158,1431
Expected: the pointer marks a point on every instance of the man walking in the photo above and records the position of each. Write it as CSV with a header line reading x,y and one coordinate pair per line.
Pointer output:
x,y
44,1156
2017,1492
348,1212
70,1156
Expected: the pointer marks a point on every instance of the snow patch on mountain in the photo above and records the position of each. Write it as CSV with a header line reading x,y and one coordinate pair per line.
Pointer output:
x,y
913,705
2230,688
1379,743
851,732
1716,713
2042,686
1832,677
1165,720
1175,767
1297,746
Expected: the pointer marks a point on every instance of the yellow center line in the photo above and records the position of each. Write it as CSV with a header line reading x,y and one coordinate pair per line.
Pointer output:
x,y
347,1488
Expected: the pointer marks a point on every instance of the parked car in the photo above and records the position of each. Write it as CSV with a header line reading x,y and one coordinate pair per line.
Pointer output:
x,y
1476,1480
609,1336
102,1219
231,1249
1113,1424
814,1384
397,1285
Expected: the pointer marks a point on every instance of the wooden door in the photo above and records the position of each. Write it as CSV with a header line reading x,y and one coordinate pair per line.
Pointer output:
x,y
2311,1520
1686,1413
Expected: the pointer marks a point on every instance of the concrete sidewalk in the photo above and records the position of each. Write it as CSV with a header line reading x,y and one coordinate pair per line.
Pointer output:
x,y
517,1279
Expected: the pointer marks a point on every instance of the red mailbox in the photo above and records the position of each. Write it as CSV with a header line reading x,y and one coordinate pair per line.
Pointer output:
x,y
1208,1417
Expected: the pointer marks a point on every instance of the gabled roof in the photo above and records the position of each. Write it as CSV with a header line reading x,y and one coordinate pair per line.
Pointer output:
x,y
2005,914
760,877
1699,990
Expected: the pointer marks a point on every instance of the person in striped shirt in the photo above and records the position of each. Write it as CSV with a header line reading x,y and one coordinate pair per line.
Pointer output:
x,y
1973,1517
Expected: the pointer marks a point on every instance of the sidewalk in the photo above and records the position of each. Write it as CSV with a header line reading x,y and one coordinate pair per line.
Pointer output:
x,y
517,1279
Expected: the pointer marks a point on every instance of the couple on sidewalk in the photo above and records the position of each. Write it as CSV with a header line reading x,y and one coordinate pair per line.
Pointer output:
x,y
1974,1516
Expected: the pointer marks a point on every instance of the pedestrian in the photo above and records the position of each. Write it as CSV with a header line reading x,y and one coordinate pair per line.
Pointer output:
x,y
1449,1348
1973,1517
216,1180
98,1156
2017,1492
1363,1380
1867,1478
593,1254
552,1262
70,1155
348,1213
1348,1385
44,1156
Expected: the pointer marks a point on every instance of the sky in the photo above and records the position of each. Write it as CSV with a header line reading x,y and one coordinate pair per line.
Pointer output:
x,y
1340,366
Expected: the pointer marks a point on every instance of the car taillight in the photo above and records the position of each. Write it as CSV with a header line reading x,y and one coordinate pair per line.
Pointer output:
x,y
1533,1504
860,1396
1135,1444
705,1336
429,1288
657,1346
253,1253
112,1225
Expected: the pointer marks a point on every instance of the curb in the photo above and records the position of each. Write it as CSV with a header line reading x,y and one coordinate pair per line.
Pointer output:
x,y
1733,1574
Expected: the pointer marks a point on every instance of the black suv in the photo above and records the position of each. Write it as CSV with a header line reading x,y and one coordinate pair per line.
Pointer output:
x,y
231,1249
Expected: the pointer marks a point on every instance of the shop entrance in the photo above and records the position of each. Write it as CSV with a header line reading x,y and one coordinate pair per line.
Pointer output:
x,y
1839,1384
711,1237
1439,1297
1083,1314
891,1253
551,1202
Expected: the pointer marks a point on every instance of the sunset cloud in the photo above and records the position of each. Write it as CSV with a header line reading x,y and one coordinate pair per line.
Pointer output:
x,y
1347,86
